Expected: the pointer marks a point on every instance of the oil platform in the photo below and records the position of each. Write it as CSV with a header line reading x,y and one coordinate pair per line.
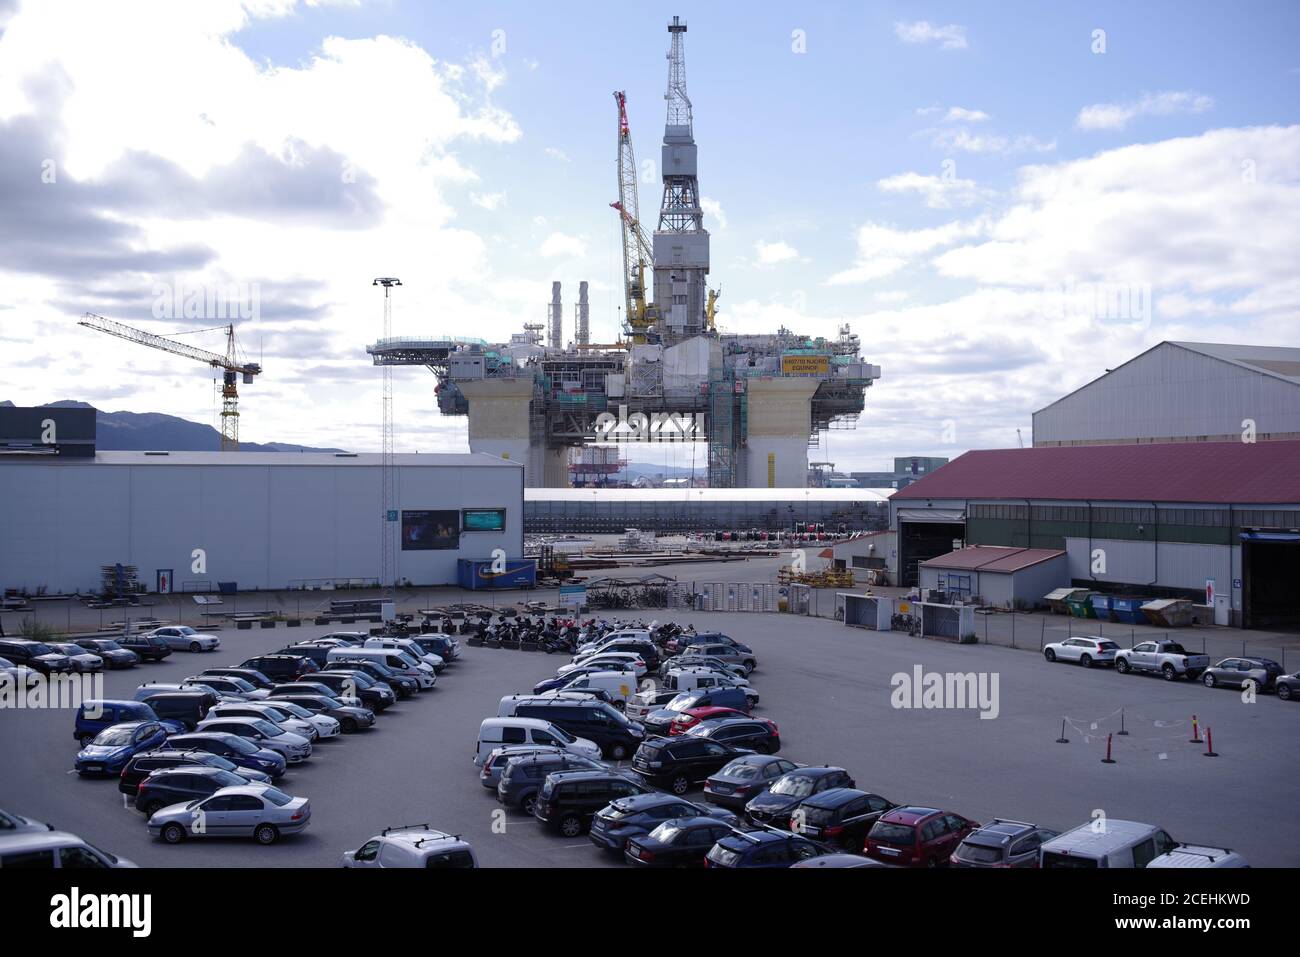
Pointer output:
x,y
759,401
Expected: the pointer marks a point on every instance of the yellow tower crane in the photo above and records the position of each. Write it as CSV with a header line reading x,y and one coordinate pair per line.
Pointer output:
x,y
232,368
637,253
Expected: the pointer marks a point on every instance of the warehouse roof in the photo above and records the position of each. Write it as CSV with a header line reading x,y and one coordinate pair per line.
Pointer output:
x,y
993,558
445,459
1226,473
680,495
1280,361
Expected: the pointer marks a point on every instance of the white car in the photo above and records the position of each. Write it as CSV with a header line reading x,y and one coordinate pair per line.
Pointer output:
x,y
257,811
262,733
255,709
54,849
326,727
1082,650
1198,855
414,845
609,661
185,638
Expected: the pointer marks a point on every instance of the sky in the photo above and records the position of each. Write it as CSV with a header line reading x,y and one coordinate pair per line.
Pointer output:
x,y
1001,200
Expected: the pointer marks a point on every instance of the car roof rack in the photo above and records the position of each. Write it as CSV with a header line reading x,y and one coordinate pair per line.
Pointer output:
x,y
420,842
1007,820
405,827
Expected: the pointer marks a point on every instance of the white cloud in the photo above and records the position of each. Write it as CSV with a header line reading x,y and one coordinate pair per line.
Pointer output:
x,y
949,37
936,191
557,154
713,210
489,201
957,114
1116,116
769,254
883,250
559,245
963,140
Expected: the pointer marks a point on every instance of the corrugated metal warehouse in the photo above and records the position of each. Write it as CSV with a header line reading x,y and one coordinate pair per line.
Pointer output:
x,y
1182,392
997,575
1159,520
262,519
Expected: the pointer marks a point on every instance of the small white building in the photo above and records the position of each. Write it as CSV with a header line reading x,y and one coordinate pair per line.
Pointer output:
x,y
996,575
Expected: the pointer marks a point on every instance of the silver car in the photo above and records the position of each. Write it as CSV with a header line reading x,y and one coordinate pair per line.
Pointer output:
x,y
1260,673
83,661
490,775
263,734
185,638
251,810
256,709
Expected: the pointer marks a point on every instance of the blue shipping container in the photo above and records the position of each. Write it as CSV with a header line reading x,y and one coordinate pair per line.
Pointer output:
x,y
477,575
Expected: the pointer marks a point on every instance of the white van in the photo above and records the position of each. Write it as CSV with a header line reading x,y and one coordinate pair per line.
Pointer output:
x,y
500,732
409,646
692,679
619,685
394,658
1106,842
1198,855
603,640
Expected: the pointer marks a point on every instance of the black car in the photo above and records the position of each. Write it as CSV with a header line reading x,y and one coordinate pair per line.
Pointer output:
x,y
598,722
403,685
370,692
309,685
187,707
142,765
620,821
647,649
350,718
745,778
676,763
317,653
839,816
251,675
148,647
233,748
569,800
753,734
440,645
114,655
681,842
282,667
761,849
225,685
35,655
180,786
773,806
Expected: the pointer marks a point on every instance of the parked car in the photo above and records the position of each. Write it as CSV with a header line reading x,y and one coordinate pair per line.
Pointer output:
x,y
689,719
1198,855
682,842
839,816
675,764
168,786
114,655
233,748
560,681
917,836
1082,650
84,662
317,651
394,658
365,690
403,686
1288,686
616,687
267,712
490,774
643,702
1166,658
47,849
733,653
840,860
350,718
679,643
523,776
496,732
146,646
113,747
761,849
230,686
659,722
692,660
1262,673
643,648
185,638
752,734
595,721
262,813
265,734
744,778
607,661
1118,844
282,667
326,727
630,817
11,823
35,655
20,676
185,708
151,688
774,806
568,800
413,845
311,686
96,714
1002,844
142,765
251,675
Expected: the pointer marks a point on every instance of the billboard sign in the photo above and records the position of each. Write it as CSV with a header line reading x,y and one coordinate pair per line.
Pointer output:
x,y
430,529
802,364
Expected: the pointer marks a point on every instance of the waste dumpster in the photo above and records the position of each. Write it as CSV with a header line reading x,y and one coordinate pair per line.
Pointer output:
x,y
1169,612
1128,609
1057,598
1081,607
1101,608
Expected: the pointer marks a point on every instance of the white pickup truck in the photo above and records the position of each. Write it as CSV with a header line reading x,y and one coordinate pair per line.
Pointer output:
x,y
1168,658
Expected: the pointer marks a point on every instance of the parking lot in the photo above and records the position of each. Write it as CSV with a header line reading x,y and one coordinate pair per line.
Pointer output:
x,y
829,689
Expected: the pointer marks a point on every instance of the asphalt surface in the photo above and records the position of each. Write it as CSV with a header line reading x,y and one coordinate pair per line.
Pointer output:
x,y
828,687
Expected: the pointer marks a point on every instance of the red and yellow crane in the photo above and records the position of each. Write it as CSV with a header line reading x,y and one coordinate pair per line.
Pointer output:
x,y
637,252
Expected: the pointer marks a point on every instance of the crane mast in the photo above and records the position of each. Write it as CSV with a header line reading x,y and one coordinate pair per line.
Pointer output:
x,y
232,369
637,253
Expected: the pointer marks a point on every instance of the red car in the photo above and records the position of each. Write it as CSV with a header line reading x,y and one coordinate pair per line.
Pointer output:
x,y
917,836
693,716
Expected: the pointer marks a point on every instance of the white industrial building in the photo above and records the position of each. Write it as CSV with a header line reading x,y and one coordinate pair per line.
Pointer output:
x,y
1182,392
997,575
256,519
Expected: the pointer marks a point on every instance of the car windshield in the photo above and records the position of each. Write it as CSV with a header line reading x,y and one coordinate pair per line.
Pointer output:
x,y
108,645
739,770
723,855
217,761
186,630
794,785
225,779
37,648
115,737
274,714
666,832
562,734
298,711
239,744
406,658
240,683
276,797
889,833
267,728
683,703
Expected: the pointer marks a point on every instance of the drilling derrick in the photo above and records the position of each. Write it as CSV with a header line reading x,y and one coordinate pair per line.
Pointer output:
x,y
681,243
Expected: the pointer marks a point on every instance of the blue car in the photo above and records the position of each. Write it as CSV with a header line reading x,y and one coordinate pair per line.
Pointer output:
x,y
97,714
116,745
553,684
233,748
761,849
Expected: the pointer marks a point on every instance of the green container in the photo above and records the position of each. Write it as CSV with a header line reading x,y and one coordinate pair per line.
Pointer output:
x,y
1081,607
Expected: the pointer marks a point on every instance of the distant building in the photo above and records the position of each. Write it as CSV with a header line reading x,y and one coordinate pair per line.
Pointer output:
x,y
907,469
1182,392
